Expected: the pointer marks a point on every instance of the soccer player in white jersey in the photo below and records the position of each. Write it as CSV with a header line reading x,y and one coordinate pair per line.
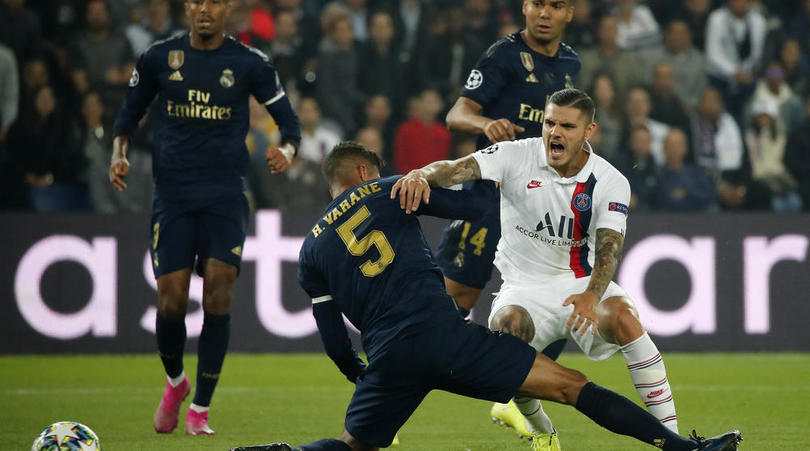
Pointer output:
x,y
563,220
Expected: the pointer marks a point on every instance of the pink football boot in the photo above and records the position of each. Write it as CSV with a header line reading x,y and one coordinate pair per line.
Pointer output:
x,y
169,409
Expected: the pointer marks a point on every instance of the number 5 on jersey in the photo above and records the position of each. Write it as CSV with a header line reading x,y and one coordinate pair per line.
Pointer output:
x,y
359,247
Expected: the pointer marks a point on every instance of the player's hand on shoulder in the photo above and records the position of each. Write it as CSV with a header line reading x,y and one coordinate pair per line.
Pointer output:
x,y
119,168
502,129
584,314
278,159
413,189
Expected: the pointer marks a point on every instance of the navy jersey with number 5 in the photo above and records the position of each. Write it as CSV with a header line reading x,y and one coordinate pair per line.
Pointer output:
x,y
513,81
200,153
372,259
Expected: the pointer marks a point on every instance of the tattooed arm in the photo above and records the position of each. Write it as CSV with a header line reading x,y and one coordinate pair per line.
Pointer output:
x,y
414,188
608,247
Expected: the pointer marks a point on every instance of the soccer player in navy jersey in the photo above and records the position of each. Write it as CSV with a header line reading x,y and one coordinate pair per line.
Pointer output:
x,y
367,259
504,99
203,81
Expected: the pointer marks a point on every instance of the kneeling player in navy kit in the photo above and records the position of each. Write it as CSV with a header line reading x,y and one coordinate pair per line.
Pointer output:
x,y
367,259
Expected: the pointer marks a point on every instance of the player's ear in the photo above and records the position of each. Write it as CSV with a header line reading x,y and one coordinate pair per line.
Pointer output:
x,y
589,130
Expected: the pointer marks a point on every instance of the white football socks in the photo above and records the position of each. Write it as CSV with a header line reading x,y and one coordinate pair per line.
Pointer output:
x,y
650,378
175,381
197,408
533,411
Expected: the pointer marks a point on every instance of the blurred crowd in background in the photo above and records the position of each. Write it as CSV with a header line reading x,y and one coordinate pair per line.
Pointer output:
x,y
703,104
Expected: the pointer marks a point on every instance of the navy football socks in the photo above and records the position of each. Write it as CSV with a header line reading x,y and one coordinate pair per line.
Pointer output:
x,y
324,444
620,415
171,339
213,345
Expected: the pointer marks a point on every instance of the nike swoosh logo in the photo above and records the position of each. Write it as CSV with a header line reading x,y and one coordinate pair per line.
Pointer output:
x,y
534,184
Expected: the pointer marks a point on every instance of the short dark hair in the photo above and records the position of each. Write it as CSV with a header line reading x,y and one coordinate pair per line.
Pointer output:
x,y
574,98
334,168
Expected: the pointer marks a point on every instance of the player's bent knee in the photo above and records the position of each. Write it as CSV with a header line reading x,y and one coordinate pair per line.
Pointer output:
x,y
620,323
514,320
574,383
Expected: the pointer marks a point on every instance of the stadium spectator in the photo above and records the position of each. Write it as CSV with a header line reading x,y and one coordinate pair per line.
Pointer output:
x,y
9,93
608,117
450,53
765,139
480,20
697,16
641,171
581,31
607,57
371,139
287,49
97,143
300,188
44,146
383,72
155,26
717,146
773,89
799,27
20,30
666,107
377,114
637,112
688,62
359,17
411,19
337,89
683,186
797,69
637,27
797,154
101,57
422,139
735,38
308,31
316,138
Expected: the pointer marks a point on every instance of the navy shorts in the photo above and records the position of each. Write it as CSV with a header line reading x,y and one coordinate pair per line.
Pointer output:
x,y
181,235
467,249
447,353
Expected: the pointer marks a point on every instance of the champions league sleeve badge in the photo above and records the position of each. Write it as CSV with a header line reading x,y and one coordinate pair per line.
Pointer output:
x,y
474,80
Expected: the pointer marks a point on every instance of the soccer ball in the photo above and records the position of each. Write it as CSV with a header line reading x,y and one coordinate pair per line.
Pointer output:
x,y
67,436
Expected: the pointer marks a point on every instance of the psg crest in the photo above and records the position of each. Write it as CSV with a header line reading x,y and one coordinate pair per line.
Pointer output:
x,y
582,202
227,80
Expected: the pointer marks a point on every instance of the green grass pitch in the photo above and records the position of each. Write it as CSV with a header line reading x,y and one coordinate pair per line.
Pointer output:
x,y
302,397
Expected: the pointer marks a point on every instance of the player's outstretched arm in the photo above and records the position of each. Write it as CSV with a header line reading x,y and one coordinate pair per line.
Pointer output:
x,y
465,116
119,165
414,188
609,245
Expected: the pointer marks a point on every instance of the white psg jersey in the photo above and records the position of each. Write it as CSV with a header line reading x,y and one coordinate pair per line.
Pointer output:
x,y
548,222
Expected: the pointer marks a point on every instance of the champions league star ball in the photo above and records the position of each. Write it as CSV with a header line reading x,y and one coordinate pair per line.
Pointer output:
x,y
67,436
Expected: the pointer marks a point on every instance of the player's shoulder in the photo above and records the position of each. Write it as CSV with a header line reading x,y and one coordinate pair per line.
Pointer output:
x,y
176,41
567,52
505,45
607,173
246,51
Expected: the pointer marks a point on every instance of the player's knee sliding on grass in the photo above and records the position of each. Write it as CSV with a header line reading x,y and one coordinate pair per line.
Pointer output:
x,y
415,340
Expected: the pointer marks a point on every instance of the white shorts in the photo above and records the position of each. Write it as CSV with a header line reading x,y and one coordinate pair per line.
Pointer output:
x,y
544,304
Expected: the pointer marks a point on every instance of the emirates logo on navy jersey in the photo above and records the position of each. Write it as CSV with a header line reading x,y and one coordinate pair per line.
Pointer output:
x,y
582,202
